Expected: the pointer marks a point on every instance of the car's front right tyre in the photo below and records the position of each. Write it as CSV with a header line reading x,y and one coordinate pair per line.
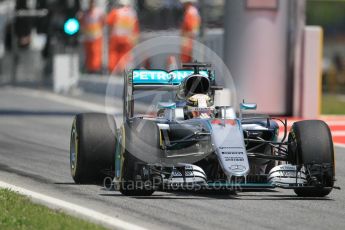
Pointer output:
x,y
92,147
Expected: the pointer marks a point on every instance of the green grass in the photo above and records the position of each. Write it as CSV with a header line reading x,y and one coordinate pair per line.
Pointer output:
x,y
333,104
18,212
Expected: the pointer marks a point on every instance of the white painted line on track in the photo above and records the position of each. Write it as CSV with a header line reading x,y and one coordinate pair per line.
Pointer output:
x,y
78,103
73,208
69,101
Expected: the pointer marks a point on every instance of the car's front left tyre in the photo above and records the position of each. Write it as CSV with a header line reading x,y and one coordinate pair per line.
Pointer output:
x,y
311,146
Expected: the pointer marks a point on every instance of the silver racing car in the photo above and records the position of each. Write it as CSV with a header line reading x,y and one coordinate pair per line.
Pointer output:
x,y
191,140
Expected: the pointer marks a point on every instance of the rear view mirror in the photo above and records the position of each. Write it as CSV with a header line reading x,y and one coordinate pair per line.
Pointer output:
x,y
248,106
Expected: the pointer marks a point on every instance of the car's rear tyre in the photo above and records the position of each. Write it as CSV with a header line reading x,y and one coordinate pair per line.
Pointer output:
x,y
92,148
312,146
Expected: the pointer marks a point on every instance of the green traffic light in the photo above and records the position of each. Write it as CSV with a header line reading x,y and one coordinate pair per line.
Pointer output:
x,y
71,26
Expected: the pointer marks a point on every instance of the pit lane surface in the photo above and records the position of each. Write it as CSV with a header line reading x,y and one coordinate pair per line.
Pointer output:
x,y
34,154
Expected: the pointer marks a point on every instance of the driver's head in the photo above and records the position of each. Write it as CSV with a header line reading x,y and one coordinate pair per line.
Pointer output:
x,y
199,106
199,101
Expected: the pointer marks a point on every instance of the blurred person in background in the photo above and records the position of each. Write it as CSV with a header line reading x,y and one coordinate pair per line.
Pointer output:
x,y
92,21
23,25
189,29
124,33
339,68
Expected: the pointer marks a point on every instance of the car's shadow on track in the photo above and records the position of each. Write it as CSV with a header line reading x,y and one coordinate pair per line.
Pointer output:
x,y
231,197
264,197
180,195
170,197
67,183
221,195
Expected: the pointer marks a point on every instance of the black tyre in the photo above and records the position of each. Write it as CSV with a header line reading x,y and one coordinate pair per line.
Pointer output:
x,y
312,146
92,148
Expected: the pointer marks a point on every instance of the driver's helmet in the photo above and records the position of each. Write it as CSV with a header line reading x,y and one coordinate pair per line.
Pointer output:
x,y
199,101
198,106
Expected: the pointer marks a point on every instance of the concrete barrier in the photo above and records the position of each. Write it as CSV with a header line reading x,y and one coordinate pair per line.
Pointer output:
x,y
312,72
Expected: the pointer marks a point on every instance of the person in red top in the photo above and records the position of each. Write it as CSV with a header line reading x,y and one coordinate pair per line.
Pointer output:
x,y
189,29
124,34
92,22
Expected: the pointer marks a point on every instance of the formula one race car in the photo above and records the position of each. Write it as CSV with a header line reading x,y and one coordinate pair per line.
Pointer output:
x,y
191,140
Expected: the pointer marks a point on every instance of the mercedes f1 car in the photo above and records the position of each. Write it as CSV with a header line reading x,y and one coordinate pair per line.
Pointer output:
x,y
192,140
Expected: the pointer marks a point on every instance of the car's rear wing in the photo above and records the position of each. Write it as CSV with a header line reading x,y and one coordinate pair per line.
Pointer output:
x,y
156,79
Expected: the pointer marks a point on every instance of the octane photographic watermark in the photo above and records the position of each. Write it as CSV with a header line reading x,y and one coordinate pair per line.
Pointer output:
x,y
110,185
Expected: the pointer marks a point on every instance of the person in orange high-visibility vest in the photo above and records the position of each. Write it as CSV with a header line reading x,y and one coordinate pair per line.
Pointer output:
x,y
92,22
189,29
124,33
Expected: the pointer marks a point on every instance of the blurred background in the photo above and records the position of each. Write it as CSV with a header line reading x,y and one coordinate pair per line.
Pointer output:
x,y
331,16
280,53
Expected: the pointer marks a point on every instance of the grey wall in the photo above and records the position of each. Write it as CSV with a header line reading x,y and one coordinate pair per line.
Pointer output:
x,y
257,48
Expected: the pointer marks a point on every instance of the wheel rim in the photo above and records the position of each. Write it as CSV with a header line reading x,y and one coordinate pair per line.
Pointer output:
x,y
73,150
